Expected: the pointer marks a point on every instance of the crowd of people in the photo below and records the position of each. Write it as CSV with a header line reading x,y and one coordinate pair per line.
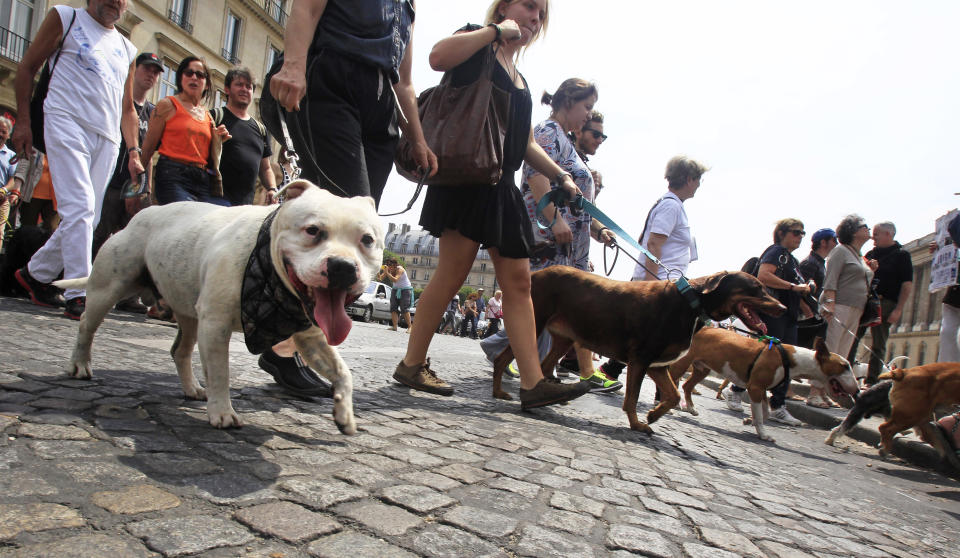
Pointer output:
x,y
102,134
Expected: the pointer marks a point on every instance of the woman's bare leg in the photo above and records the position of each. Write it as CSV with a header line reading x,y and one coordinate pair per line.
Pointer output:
x,y
513,276
457,254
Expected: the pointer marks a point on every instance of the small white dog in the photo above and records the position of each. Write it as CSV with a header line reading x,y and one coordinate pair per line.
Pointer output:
x,y
270,272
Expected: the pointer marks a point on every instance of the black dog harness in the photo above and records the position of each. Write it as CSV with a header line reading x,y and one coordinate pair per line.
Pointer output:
x,y
783,358
269,312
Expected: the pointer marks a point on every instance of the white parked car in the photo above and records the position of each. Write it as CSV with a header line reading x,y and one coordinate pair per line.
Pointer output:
x,y
373,304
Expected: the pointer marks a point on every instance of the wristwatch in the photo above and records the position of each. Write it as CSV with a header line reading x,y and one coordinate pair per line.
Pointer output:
x,y
559,177
135,148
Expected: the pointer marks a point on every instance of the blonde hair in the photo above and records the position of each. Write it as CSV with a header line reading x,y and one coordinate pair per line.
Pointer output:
x,y
494,16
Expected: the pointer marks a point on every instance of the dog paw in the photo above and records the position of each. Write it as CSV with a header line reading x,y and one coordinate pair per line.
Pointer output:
x,y
223,418
343,414
642,427
502,395
768,438
80,370
197,394
689,409
747,421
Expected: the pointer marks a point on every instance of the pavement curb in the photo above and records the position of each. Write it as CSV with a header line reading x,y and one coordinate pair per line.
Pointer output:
x,y
911,450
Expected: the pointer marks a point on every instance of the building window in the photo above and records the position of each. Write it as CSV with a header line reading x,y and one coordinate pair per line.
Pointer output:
x,y
168,81
890,354
16,22
272,54
922,353
231,39
180,14
413,273
426,276
906,349
483,267
481,283
414,260
276,11
219,98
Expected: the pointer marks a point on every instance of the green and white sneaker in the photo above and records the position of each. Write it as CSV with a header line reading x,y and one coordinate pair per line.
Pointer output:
x,y
601,383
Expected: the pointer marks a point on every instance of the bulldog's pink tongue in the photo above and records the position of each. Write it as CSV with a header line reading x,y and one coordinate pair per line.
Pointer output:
x,y
330,313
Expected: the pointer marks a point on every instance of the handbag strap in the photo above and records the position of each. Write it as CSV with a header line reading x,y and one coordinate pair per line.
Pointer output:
x,y
60,44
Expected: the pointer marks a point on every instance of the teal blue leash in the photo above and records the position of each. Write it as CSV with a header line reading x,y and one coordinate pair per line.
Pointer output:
x,y
556,197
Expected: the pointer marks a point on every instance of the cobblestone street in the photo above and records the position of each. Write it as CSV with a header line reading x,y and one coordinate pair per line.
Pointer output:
x,y
122,465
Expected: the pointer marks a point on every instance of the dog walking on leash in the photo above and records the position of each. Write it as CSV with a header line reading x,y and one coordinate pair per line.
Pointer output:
x,y
269,272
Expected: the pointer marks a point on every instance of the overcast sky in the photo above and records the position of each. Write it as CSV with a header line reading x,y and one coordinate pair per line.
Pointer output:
x,y
810,110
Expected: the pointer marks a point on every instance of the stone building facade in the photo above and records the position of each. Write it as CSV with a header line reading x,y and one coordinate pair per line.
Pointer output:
x,y
225,33
918,334
420,252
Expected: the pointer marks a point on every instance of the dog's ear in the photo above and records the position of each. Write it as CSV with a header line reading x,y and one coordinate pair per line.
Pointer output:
x,y
373,203
295,188
822,352
712,282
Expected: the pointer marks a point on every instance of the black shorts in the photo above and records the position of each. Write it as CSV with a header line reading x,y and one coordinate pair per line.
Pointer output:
x,y
401,300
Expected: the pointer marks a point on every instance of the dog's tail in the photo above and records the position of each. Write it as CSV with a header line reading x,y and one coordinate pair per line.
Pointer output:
x,y
892,365
71,283
896,375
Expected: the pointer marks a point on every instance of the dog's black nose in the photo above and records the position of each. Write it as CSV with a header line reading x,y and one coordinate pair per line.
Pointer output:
x,y
341,273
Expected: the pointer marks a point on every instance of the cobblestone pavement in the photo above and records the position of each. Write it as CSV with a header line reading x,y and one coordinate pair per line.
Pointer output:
x,y
122,465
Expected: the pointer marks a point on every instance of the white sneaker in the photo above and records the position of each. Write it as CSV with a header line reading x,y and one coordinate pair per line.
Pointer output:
x,y
733,400
782,416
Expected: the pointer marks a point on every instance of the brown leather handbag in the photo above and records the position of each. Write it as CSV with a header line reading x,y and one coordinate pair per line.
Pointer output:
x,y
465,127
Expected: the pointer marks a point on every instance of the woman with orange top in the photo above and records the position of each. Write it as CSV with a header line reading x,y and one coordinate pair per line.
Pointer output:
x,y
182,127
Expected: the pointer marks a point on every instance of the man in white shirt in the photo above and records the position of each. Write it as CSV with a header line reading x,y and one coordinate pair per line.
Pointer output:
x,y
89,102
666,232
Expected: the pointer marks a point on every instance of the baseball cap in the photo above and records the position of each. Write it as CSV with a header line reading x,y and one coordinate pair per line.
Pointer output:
x,y
823,234
149,58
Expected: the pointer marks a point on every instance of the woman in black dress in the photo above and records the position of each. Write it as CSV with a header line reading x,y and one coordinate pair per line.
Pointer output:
x,y
466,217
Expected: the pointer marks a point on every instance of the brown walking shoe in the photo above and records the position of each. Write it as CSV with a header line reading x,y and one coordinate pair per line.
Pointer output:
x,y
548,393
419,376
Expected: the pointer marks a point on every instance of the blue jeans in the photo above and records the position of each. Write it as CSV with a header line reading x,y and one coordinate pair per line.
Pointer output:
x,y
175,182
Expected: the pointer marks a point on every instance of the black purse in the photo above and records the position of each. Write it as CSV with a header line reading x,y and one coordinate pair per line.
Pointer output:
x,y
40,94
871,315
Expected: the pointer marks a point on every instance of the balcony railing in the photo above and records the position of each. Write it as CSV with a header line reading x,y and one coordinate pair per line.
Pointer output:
x,y
180,20
274,9
12,46
229,56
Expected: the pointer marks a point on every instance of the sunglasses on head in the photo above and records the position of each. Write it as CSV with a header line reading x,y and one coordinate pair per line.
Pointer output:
x,y
597,134
199,74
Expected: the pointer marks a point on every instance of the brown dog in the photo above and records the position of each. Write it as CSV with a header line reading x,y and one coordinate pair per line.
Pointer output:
x,y
647,324
915,393
758,367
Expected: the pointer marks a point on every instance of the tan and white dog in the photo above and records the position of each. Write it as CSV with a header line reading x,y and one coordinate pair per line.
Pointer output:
x,y
322,250
748,362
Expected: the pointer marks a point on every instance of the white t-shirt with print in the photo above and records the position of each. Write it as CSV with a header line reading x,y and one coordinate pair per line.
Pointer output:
x,y
89,77
669,219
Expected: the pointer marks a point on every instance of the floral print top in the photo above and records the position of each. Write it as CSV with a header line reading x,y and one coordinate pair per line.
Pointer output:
x,y
551,137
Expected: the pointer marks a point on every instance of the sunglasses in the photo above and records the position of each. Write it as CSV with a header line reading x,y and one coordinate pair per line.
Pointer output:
x,y
597,134
799,232
195,73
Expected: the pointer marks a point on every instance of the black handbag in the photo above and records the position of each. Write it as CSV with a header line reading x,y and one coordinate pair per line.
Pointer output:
x,y
40,94
871,315
465,127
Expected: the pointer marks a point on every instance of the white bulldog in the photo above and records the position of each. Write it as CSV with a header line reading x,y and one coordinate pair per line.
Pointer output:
x,y
320,255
